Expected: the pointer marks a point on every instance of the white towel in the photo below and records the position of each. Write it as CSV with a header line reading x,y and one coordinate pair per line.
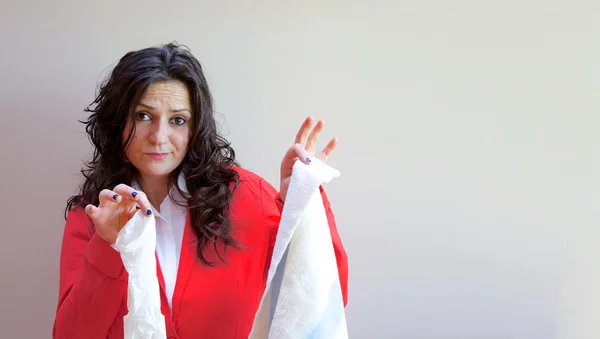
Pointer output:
x,y
303,296
136,243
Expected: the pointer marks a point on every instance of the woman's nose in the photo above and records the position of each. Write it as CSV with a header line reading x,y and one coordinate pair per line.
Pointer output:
x,y
160,133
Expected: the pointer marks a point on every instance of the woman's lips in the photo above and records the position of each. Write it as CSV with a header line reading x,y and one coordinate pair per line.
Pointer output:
x,y
157,156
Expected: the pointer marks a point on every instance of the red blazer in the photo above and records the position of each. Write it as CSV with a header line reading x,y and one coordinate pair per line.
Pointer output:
x,y
208,302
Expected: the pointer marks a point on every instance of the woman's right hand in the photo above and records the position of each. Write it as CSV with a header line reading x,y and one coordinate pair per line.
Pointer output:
x,y
116,208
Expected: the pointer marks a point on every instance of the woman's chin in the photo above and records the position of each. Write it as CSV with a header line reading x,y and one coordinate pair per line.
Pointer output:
x,y
156,171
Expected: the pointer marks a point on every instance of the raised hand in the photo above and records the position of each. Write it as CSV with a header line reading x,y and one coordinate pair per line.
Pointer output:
x,y
302,149
116,208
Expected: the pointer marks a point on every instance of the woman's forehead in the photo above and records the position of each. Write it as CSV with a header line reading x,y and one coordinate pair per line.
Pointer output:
x,y
166,95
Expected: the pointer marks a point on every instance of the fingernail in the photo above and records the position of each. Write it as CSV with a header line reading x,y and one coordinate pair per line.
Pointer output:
x,y
148,212
307,159
115,196
134,194
137,207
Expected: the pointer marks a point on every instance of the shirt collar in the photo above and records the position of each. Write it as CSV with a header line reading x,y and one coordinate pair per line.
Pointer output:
x,y
180,182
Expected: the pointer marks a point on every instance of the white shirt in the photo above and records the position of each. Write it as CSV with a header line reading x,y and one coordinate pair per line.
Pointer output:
x,y
170,223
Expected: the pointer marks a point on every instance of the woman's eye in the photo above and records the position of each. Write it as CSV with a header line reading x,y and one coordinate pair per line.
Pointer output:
x,y
179,121
142,116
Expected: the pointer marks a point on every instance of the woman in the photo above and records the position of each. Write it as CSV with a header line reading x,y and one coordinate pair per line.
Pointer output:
x,y
157,148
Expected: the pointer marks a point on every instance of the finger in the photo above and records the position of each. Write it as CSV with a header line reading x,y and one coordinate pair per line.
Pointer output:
x,y
131,211
300,153
91,211
128,193
134,196
304,130
328,149
296,152
107,197
314,135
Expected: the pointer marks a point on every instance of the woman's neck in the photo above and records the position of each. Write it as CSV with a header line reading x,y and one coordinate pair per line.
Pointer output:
x,y
156,189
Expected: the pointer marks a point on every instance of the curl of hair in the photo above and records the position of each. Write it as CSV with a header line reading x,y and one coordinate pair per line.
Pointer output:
x,y
208,164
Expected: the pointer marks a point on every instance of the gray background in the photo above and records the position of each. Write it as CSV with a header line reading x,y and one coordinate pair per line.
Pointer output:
x,y
468,200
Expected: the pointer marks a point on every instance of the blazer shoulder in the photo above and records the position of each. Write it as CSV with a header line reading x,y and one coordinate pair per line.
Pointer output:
x,y
253,184
255,195
77,215
248,175
78,224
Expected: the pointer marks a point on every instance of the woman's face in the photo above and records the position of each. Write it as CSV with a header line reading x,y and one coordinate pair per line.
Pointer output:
x,y
162,129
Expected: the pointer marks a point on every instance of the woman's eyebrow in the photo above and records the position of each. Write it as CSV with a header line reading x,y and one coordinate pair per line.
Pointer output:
x,y
173,110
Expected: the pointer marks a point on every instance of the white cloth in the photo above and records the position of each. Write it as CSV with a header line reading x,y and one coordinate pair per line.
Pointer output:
x,y
140,242
136,244
303,296
170,224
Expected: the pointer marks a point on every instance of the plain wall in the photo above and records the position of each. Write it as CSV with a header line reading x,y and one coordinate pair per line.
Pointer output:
x,y
469,194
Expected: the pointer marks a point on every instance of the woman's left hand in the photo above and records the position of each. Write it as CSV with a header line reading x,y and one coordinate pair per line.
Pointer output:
x,y
303,149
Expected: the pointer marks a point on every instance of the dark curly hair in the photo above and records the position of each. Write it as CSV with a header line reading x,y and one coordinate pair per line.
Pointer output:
x,y
208,165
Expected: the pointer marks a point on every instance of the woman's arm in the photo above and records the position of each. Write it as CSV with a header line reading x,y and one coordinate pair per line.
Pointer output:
x,y
93,282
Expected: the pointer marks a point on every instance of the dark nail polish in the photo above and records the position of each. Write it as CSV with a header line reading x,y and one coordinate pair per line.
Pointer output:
x,y
307,159
148,212
134,194
137,207
115,196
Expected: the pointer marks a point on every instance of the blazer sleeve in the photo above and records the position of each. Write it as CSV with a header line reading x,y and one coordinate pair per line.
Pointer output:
x,y
93,282
272,209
